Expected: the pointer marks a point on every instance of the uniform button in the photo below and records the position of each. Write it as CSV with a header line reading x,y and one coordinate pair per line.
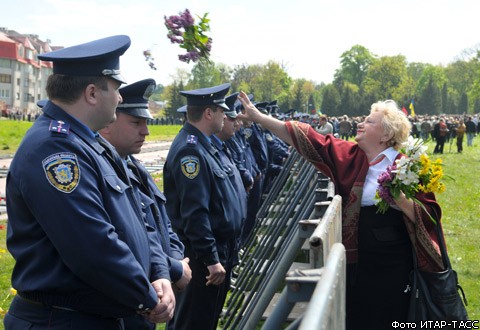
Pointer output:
x,y
118,187
143,204
140,306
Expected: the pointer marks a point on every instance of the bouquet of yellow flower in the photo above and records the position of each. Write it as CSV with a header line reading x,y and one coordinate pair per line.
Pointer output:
x,y
412,173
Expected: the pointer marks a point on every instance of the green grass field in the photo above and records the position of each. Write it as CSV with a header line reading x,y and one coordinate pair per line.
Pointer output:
x,y
460,204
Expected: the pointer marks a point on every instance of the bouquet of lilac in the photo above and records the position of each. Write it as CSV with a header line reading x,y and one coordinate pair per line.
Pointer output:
x,y
191,37
410,174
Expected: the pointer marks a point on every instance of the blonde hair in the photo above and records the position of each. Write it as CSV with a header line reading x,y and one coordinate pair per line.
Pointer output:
x,y
395,123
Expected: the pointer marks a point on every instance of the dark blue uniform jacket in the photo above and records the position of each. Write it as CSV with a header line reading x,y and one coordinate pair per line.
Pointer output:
x,y
154,207
76,238
202,202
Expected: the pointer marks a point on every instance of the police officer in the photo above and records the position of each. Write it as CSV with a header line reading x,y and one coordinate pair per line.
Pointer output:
x,y
127,134
238,149
82,250
219,141
203,206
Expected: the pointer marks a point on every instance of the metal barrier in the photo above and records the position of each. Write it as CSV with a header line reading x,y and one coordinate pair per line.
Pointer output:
x,y
301,214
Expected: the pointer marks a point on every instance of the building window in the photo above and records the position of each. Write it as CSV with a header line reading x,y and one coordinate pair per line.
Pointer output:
x,y
5,78
5,63
5,93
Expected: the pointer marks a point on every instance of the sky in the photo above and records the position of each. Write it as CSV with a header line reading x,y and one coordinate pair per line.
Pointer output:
x,y
307,37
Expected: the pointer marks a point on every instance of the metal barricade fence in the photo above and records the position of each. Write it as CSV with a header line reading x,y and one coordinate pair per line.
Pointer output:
x,y
300,206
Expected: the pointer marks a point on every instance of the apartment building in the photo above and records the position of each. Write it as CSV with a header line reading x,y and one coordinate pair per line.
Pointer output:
x,y
22,76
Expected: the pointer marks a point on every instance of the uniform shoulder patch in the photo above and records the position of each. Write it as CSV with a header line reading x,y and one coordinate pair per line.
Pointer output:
x,y
192,139
62,171
59,126
190,166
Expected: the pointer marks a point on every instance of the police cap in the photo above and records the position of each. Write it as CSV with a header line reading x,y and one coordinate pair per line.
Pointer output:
x,y
208,96
182,109
239,105
95,58
41,103
135,98
230,102
272,108
262,107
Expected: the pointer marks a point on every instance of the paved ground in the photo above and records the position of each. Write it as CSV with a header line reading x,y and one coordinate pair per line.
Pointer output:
x,y
153,153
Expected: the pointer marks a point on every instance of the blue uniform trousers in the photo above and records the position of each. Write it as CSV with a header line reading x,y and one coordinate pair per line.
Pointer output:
x,y
41,317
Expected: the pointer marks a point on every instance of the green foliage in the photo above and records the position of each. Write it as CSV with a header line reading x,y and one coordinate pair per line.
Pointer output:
x,y
373,78
11,134
354,65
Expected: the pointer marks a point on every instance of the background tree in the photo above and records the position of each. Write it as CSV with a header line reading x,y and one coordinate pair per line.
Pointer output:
x,y
463,104
429,101
207,73
384,77
354,64
270,81
331,101
174,99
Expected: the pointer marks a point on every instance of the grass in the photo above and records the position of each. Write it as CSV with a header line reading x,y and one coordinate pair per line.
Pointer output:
x,y
12,132
460,204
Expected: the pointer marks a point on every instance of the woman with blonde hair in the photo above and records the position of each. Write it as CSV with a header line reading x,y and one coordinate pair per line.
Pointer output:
x,y
378,246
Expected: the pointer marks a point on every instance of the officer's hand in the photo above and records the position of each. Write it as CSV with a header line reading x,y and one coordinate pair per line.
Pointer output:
x,y
165,307
186,277
217,274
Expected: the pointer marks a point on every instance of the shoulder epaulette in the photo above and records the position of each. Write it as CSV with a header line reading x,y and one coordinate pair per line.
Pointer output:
x,y
192,139
59,126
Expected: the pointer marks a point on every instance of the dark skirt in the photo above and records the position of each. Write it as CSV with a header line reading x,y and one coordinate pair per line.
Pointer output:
x,y
377,286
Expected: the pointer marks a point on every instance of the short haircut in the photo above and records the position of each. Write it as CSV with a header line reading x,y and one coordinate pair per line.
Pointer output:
x,y
68,88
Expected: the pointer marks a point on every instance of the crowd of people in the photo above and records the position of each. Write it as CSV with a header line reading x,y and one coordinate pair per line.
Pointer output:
x,y
441,129
97,245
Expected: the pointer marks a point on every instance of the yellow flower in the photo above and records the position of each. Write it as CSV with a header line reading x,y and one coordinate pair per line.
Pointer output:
x,y
13,292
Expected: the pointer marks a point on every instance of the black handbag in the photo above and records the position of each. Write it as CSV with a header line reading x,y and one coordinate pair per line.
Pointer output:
x,y
435,295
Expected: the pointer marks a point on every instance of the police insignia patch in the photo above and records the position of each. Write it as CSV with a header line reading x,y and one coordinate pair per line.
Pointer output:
x,y
192,139
59,126
248,132
62,171
190,166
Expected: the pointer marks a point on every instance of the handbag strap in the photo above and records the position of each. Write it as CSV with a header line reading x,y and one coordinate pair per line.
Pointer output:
x,y
443,247
443,250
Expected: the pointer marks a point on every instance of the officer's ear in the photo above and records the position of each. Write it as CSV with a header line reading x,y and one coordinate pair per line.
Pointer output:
x,y
208,113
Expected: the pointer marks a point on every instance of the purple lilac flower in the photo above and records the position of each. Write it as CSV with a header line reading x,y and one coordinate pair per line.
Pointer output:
x,y
187,19
384,193
209,44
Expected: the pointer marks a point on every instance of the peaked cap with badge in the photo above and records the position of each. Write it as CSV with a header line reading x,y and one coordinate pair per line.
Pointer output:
x,y
230,102
262,106
208,96
95,58
239,105
182,109
135,98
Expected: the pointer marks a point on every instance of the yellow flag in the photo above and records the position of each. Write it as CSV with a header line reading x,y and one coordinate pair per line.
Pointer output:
x,y
412,109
